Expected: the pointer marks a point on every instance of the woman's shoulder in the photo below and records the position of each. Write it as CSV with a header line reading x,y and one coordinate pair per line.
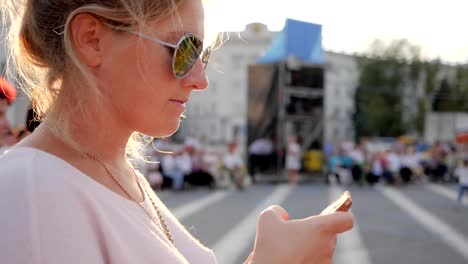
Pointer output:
x,y
39,205
30,171
25,161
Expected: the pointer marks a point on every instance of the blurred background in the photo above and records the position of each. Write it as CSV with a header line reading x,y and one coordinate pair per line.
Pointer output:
x,y
311,98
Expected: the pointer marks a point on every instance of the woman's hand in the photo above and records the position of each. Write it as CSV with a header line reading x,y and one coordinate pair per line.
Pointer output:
x,y
310,240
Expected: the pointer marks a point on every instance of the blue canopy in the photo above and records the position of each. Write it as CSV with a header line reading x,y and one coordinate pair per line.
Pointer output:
x,y
299,39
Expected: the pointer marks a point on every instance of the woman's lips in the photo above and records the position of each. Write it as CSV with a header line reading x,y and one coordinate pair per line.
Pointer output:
x,y
180,103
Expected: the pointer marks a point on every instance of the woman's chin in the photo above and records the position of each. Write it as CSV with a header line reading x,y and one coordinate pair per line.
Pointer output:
x,y
166,131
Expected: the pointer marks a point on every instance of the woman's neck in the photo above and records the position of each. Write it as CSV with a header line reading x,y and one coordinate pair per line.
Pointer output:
x,y
74,147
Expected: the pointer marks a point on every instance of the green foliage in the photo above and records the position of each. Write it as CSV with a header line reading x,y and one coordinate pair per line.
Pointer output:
x,y
452,96
391,74
385,72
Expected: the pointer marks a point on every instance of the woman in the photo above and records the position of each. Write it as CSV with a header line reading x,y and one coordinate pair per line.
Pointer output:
x,y
293,160
101,70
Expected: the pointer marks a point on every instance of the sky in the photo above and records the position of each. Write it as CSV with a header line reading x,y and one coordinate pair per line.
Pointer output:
x,y
440,28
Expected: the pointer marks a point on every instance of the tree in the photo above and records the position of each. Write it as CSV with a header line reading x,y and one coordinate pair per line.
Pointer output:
x,y
387,74
452,96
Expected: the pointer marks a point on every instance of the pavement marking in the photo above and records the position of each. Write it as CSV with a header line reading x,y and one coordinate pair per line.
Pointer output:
x,y
446,192
193,206
432,223
230,247
350,248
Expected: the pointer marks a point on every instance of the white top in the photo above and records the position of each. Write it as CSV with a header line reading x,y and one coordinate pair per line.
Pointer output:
x,y
168,163
393,162
377,169
184,163
410,161
357,156
261,146
462,173
53,213
232,161
293,157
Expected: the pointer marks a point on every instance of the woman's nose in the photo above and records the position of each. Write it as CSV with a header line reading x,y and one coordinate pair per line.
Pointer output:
x,y
196,79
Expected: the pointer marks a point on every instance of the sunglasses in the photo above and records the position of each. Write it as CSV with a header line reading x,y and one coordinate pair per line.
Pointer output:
x,y
186,52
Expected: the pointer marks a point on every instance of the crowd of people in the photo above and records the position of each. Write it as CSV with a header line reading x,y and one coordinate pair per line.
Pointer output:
x,y
393,163
181,166
190,164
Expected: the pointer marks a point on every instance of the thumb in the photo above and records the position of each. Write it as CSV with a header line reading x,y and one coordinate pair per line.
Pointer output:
x,y
274,213
334,223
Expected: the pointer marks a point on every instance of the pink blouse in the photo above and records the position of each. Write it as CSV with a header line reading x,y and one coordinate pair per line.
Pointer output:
x,y
52,213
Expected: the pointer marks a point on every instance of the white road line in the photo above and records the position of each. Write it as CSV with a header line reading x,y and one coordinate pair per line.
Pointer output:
x,y
229,248
433,224
350,248
446,192
198,204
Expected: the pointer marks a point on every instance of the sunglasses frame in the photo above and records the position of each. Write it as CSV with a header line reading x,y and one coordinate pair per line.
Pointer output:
x,y
204,55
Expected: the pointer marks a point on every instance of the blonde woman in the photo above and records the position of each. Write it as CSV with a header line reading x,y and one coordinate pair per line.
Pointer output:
x,y
101,70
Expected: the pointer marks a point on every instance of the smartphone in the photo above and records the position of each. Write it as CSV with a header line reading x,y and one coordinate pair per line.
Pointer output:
x,y
343,203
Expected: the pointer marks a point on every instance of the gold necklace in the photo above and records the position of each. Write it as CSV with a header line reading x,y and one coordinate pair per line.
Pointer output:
x,y
162,223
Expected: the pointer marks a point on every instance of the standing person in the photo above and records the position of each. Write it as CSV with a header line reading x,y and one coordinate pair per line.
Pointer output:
x,y
7,96
462,172
293,160
106,69
260,156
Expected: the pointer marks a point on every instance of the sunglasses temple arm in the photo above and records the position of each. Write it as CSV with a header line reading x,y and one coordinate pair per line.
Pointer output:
x,y
154,39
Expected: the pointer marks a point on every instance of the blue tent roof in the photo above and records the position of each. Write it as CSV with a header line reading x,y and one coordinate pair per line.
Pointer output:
x,y
299,39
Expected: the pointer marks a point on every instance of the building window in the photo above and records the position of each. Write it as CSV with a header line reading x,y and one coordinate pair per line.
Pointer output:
x,y
213,108
212,129
212,87
236,61
336,133
337,91
195,110
236,86
336,113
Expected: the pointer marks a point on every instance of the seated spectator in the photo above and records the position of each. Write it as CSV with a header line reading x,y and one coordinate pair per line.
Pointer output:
x,y
172,171
373,176
334,166
234,167
199,174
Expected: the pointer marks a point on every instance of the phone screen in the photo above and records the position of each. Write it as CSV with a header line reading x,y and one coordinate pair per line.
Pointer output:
x,y
343,203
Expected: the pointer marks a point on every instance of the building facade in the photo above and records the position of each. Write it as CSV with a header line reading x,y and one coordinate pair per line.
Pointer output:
x,y
341,81
218,115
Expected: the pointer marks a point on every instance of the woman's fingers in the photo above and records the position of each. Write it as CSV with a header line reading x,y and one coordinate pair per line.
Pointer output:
x,y
333,223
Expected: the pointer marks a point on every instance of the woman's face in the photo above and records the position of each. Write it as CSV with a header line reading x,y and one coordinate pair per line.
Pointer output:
x,y
137,78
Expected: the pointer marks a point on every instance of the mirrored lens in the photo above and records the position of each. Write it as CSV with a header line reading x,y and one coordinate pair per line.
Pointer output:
x,y
186,55
206,56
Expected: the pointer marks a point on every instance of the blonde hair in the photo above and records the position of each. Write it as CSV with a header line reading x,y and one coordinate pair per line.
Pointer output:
x,y
40,57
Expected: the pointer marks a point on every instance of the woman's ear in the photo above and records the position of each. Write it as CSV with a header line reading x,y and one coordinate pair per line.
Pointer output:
x,y
87,35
